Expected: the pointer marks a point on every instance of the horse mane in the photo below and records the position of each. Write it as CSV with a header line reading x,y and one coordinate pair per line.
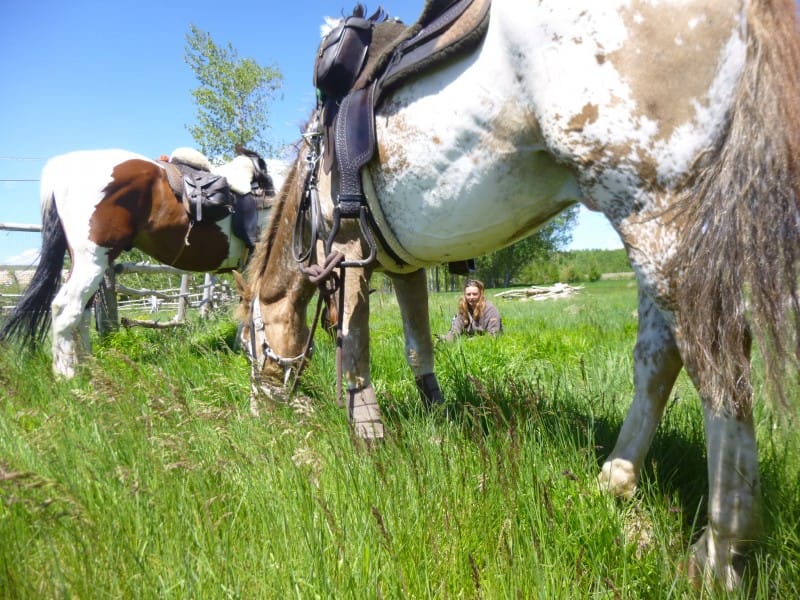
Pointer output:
x,y
738,260
258,263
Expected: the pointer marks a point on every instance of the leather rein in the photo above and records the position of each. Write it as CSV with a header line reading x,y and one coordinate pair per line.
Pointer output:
x,y
322,275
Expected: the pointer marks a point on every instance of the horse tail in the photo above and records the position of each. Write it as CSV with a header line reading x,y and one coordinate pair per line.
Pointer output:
x,y
30,319
743,244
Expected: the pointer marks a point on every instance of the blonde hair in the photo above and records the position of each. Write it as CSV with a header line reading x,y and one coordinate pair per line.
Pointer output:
x,y
463,306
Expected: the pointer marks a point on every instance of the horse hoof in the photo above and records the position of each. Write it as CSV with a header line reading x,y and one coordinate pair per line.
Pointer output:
x,y
618,476
370,432
720,567
369,440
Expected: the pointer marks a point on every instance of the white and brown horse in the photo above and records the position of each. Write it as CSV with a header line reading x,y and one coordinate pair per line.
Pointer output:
x,y
680,121
96,204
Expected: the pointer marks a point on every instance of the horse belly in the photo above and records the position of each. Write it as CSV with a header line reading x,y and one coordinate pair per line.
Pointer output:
x,y
461,168
464,215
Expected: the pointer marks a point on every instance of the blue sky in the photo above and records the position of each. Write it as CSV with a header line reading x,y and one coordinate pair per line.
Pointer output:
x,y
90,74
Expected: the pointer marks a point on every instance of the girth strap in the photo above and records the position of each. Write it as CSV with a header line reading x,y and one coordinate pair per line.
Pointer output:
x,y
355,145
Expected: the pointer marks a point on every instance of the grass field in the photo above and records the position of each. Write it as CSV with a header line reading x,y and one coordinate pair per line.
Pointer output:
x,y
147,478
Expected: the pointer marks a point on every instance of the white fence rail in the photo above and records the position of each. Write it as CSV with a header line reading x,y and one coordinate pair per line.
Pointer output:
x,y
205,297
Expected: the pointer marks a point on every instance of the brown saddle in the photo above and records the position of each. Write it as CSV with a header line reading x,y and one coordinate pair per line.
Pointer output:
x,y
362,60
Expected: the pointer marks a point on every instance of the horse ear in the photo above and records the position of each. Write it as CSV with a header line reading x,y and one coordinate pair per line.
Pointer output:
x,y
379,16
242,151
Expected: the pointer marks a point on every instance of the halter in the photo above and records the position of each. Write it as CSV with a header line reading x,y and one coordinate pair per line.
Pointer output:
x,y
258,330
258,341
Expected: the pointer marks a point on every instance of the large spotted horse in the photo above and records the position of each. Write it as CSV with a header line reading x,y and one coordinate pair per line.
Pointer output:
x,y
680,121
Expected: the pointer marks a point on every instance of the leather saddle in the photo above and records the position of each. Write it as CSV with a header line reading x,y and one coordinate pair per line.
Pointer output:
x,y
207,196
204,194
361,61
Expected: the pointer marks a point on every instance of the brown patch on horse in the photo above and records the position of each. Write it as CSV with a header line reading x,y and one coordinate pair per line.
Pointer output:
x,y
139,209
657,77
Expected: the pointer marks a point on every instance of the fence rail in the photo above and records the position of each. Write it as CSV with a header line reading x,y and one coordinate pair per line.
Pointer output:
x,y
20,227
205,296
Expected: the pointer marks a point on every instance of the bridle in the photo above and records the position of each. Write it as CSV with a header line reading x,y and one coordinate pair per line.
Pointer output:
x,y
261,351
323,276
308,213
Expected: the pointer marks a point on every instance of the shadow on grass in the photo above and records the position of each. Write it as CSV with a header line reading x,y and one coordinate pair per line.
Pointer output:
x,y
675,466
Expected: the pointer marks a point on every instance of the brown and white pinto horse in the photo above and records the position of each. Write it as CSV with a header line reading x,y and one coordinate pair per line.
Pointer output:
x,y
98,203
680,121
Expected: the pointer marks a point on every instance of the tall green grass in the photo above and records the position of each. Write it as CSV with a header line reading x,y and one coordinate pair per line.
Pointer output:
x,y
146,477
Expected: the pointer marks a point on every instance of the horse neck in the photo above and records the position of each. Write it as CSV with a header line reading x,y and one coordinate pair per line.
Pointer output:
x,y
280,275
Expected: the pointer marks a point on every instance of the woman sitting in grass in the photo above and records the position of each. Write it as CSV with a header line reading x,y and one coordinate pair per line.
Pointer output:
x,y
475,315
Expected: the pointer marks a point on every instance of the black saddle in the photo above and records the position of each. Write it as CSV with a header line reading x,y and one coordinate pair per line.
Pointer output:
x,y
362,60
208,196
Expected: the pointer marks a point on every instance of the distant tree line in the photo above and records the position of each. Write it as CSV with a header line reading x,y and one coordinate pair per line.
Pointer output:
x,y
566,266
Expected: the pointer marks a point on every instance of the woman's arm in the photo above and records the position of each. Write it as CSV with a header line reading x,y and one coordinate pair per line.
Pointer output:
x,y
456,329
492,323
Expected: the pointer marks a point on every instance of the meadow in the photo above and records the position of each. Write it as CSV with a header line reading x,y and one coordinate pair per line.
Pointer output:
x,y
146,477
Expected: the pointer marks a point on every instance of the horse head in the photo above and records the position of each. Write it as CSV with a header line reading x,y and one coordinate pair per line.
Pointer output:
x,y
275,293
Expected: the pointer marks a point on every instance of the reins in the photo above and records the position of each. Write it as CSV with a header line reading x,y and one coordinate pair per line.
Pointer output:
x,y
307,231
324,276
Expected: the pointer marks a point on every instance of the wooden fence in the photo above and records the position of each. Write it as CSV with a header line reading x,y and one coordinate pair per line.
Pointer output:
x,y
207,296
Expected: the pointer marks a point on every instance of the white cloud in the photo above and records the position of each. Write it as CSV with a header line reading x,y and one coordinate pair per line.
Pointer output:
x,y
25,258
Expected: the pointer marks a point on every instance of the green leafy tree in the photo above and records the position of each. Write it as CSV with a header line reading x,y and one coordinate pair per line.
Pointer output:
x,y
502,267
232,98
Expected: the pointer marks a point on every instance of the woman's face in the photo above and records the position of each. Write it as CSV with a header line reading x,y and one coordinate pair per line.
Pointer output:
x,y
472,294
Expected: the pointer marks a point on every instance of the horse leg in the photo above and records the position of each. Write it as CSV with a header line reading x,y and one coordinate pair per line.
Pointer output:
x,y
734,517
412,296
362,402
71,312
734,511
657,363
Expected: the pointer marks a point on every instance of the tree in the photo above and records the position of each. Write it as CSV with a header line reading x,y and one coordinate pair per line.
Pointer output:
x,y
232,99
499,268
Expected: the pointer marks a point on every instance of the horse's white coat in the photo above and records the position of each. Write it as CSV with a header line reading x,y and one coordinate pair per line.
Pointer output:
x,y
517,114
75,182
564,100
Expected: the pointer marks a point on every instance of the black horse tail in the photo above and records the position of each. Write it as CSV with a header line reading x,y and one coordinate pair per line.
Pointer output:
x,y
30,320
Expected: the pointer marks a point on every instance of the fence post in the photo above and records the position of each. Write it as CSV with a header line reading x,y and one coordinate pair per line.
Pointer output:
x,y
183,300
106,313
207,304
